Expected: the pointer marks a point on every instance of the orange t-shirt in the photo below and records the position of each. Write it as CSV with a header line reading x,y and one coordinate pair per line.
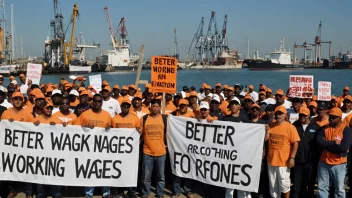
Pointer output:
x,y
281,136
322,122
224,108
153,136
43,120
170,107
22,116
60,118
347,120
330,135
101,119
75,103
188,114
129,121
29,104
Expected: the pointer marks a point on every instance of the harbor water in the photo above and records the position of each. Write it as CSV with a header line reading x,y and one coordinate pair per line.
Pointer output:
x,y
272,79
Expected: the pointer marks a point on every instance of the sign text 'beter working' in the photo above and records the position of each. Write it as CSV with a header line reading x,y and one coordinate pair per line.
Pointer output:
x,y
163,74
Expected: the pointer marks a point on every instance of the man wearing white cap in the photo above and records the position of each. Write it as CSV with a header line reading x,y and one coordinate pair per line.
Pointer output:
x,y
56,97
215,111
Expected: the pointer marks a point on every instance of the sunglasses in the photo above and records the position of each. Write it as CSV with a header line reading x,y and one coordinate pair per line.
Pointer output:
x,y
17,99
203,109
125,106
332,117
1,79
49,108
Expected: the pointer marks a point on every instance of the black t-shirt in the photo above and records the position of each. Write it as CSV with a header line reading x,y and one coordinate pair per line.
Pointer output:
x,y
2,109
231,118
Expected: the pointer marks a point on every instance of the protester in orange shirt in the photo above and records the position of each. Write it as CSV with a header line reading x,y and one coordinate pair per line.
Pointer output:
x,y
322,118
183,109
95,117
148,96
137,107
153,128
345,92
46,116
335,139
116,92
73,98
193,105
283,145
125,119
83,103
124,94
64,116
17,113
169,106
225,103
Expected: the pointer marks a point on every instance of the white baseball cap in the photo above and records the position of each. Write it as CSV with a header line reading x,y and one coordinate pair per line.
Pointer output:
x,y
243,93
14,82
204,105
210,95
74,92
56,91
216,97
236,99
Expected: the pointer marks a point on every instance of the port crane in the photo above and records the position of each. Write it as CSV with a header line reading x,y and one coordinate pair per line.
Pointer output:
x,y
317,47
111,30
206,49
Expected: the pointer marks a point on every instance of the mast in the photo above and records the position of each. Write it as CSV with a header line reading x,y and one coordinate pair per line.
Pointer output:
x,y
13,35
21,48
247,48
176,51
3,30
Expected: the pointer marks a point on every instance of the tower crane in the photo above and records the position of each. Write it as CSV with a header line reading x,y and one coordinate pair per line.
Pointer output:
x,y
112,34
198,39
68,56
122,32
318,44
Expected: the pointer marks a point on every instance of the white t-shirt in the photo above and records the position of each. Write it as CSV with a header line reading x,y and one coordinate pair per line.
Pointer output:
x,y
6,104
254,95
24,89
345,114
287,104
304,126
2,88
56,109
112,106
293,117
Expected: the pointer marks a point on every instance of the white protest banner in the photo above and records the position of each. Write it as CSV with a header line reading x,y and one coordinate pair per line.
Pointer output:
x,y
225,154
96,82
301,86
324,91
68,156
34,73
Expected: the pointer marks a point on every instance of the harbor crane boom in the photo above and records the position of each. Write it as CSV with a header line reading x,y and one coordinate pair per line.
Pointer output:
x,y
111,29
68,57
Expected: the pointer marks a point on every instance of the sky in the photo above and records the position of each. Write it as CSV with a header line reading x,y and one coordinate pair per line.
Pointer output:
x,y
151,23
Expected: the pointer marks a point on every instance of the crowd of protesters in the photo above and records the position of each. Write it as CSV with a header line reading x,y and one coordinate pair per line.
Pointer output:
x,y
306,143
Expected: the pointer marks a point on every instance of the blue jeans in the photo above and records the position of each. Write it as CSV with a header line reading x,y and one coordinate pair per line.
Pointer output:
x,y
148,165
28,189
90,191
334,173
55,191
177,185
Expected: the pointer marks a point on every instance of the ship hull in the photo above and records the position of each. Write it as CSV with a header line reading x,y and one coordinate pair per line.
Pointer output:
x,y
343,65
267,65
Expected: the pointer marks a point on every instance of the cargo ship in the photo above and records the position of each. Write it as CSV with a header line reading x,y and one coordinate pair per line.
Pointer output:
x,y
345,62
278,60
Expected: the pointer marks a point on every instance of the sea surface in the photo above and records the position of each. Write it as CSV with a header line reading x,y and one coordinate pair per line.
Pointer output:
x,y
272,79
